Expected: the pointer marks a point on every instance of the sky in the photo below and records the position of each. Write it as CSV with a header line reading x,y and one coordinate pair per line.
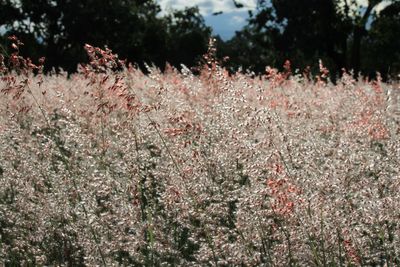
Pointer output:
x,y
232,19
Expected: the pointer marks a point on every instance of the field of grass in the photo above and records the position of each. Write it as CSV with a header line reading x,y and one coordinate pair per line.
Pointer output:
x,y
118,168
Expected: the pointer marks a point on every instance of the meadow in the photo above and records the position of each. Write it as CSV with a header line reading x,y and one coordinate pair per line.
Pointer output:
x,y
112,167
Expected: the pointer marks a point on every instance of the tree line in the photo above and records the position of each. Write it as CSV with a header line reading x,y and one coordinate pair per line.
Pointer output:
x,y
342,33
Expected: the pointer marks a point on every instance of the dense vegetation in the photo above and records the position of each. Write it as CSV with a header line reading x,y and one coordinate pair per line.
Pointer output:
x,y
111,167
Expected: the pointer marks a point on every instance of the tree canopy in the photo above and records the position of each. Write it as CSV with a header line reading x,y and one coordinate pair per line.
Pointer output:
x,y
58,30
342,33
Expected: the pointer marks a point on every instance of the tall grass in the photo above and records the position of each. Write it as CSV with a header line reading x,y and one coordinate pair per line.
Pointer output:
x,y
113,167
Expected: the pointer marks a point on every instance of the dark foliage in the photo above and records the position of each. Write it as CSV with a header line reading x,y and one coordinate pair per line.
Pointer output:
x,y
342,34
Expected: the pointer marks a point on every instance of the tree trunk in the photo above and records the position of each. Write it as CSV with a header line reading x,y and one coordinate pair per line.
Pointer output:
x,y
356,50
358,33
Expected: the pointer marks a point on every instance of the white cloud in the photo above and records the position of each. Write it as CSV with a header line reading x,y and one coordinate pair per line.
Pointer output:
x,y
364,3
382,5
378,8
208,6
237,20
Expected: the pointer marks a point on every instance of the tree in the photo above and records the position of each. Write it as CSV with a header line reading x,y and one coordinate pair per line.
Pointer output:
x,y
58,30
306,30
8,13
249,50
63,26
187,36
383,42
359,30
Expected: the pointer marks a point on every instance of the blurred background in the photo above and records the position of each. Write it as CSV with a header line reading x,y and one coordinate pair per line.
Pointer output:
x,y
358,35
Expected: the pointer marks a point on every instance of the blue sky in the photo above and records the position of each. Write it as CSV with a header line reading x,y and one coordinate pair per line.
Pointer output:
x,y
232,19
